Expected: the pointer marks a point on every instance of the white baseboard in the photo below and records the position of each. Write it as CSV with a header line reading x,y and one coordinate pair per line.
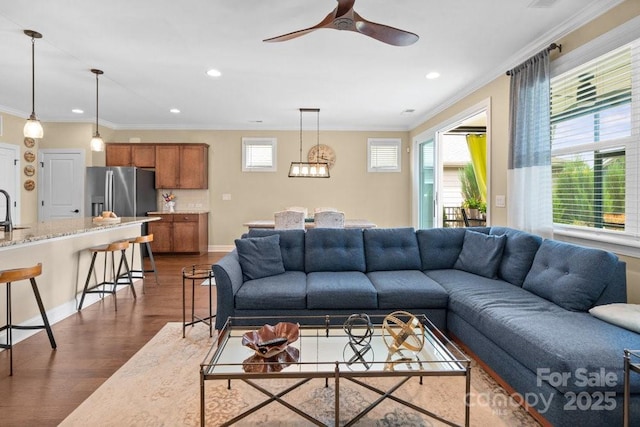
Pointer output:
x,y
221,248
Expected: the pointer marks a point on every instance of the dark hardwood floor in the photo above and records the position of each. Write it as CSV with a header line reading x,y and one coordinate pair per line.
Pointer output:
x,y
48,385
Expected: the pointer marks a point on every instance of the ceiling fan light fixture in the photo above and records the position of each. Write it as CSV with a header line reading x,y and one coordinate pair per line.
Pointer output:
x,y
302,169
97,144
33,127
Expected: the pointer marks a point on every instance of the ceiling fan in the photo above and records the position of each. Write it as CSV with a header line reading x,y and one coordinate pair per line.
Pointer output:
x,y
343,17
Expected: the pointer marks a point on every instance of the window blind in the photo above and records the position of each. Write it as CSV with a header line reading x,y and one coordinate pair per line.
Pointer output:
x,y
384,155
258,154
594,142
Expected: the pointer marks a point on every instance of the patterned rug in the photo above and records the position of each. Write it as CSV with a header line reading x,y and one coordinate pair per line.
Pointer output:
x,y
159,386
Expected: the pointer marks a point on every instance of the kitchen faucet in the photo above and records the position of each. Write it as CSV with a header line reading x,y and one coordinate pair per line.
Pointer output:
x,y
8,226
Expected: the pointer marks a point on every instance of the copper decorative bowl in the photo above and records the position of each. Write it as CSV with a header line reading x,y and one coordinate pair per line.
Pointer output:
x,y
274,363
270,340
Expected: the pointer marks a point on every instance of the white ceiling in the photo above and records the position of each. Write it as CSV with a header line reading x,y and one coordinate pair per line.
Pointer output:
x,y
154,54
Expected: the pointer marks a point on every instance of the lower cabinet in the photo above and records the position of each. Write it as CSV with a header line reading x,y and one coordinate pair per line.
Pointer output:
x,y
180,233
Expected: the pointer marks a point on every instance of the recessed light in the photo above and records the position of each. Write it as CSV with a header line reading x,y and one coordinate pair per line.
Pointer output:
x,y
433,75
214,73
77,111
174,111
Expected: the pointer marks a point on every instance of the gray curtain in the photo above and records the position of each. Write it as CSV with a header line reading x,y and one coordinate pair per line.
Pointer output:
x,y
529,172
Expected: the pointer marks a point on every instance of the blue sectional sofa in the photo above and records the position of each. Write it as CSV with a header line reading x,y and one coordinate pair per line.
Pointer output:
x,y
517,302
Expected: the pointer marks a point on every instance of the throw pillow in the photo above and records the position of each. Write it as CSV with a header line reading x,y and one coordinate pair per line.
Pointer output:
x,y
624,315
481,253
260,256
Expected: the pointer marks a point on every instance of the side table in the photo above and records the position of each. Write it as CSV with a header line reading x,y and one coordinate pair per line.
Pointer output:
x,y
629,366
196,273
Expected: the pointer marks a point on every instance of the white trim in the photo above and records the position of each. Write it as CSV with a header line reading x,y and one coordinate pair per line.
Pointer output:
x,y
452,122
15,214
220,248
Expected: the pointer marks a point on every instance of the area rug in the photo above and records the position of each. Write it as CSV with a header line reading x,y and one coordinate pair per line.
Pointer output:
x,y
159,386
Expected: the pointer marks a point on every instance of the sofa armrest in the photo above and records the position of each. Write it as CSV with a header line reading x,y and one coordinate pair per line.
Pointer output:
x,y
228,275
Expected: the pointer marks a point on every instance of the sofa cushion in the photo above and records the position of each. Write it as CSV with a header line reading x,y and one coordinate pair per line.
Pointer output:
x,y
291,246
260,256
334,249
481,254
440,247
406,289
391,249
519,251
536,332
284,291
569,275
340,290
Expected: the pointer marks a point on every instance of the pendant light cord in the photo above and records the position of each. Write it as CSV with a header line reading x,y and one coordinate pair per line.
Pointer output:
x,y
33,77
97,104
300,135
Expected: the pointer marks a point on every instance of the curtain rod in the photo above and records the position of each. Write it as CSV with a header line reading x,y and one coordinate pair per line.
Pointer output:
x,y
551,47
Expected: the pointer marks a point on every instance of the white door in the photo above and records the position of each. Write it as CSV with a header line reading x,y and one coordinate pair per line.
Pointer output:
x,y
61,184
10,180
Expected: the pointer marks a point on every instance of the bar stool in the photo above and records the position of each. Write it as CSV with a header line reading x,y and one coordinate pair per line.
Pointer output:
x,y
140,274
14,275
107,249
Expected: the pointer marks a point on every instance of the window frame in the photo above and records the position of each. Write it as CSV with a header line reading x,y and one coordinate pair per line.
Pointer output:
x,y
627,242
249,141
384,142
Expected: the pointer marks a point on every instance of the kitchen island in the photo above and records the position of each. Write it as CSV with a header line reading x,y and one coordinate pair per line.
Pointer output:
x,y
60,245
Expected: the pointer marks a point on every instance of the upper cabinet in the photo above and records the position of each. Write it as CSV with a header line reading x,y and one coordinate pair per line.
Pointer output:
x,y
139,155
182,166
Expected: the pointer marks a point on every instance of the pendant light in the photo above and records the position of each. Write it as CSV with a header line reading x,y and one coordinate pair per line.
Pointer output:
x,y
315,169
97,144
33,127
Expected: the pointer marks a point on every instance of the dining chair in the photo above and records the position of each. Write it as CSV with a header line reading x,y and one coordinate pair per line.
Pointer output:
x,y
328,219
298,209
287,220
325,209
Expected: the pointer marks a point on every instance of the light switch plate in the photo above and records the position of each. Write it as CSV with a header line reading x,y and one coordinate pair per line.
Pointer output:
x,y
500,201
226,196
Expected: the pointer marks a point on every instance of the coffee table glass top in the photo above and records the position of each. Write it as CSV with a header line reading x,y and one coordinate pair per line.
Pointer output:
x,y
322,348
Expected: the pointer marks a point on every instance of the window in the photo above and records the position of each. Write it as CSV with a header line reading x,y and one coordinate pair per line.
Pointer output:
x,y
594,144
384,155
259,154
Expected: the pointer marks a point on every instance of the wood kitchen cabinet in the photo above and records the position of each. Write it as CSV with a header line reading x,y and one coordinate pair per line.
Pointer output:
x,y
180,233
182,166
138,155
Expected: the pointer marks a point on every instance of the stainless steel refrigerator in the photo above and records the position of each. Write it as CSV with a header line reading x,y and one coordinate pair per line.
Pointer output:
x,y
127,191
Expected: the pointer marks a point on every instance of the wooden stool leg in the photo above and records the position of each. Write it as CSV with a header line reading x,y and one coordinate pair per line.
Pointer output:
x,y
86,283
43,312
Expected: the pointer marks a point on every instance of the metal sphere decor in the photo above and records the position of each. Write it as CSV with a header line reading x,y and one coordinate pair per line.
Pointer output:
x,y
398,332
359,329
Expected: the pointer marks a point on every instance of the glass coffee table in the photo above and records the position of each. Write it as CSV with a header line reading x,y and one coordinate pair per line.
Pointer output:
x,y
325,350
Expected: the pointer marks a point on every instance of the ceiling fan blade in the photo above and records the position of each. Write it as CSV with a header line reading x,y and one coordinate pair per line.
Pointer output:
x,y
325,23
344,6
384,33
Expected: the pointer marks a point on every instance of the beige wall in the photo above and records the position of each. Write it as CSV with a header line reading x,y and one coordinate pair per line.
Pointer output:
x,y
383,198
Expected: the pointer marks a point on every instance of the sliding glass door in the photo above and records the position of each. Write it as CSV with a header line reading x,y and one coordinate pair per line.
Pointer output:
x,y
427,184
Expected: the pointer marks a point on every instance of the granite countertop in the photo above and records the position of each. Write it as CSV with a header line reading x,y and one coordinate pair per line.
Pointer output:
x,y
60,228
181,212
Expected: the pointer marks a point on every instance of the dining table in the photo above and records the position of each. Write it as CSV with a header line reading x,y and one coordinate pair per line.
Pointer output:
x,y
348,223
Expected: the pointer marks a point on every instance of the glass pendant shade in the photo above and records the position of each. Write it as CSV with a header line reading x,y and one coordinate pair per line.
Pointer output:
x,y
33,128
97,144
308,170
